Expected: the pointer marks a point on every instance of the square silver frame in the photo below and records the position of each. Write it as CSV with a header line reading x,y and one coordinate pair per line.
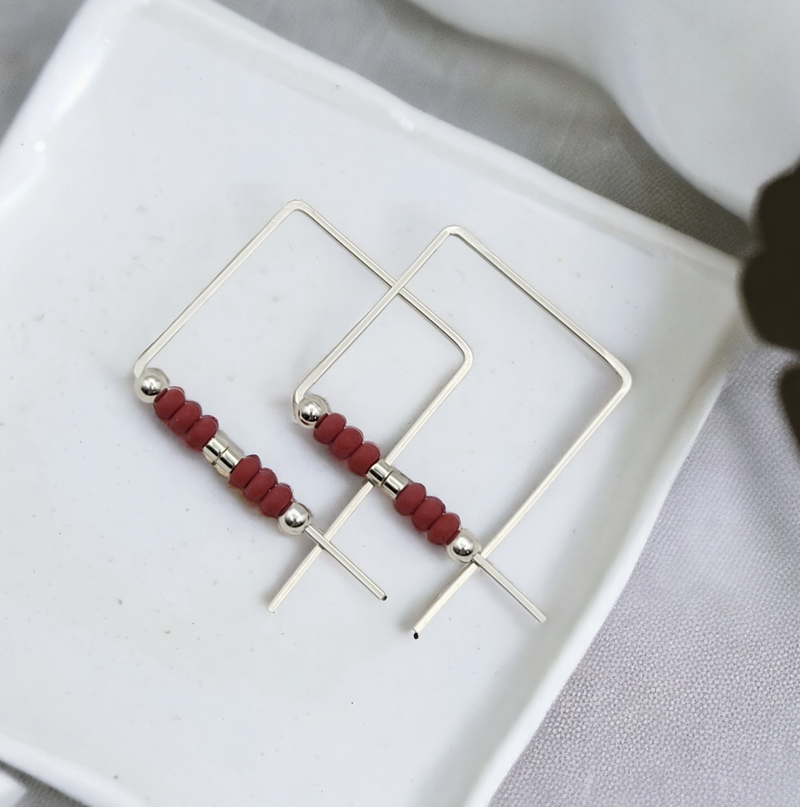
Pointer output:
x,y
497,263
298,206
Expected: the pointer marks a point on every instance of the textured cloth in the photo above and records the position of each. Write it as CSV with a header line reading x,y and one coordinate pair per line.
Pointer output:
x,y
690,694
35,793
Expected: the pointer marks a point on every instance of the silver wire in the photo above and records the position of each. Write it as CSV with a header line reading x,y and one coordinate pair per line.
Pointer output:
x,y
323,542
140,365
616,365
299,206
405,438
480,560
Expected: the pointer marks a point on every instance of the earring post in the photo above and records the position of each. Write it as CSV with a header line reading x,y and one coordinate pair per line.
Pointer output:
x,y
324,544
503,581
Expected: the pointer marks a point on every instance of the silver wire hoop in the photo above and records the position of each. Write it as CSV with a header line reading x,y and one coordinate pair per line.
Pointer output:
x,y
141,364
398,288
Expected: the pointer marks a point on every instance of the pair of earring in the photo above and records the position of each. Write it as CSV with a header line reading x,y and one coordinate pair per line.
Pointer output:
x,y
428,514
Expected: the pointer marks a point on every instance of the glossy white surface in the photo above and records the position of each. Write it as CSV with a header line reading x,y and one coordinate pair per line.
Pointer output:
x,y
140,663
712,86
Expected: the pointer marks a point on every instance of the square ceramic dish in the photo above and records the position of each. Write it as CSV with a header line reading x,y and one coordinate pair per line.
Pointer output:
x,y
140,664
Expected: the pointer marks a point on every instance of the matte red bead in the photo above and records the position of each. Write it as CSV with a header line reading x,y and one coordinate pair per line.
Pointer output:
x,y
444,529
410,498
260,485
168,402
424,516
247,467
328,428
346,442
363,458
185,417
277,501
202,431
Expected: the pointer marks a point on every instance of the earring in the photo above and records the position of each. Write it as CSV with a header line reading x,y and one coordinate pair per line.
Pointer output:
x,y
427,513
259,485
201,432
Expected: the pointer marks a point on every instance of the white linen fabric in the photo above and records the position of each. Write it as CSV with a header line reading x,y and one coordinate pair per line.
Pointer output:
x,y
690,695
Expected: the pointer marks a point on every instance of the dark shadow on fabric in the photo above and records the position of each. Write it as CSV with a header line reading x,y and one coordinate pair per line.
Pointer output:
x,y
771,281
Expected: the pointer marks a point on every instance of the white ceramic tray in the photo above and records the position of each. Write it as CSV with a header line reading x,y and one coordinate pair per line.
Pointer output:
x,y
139,663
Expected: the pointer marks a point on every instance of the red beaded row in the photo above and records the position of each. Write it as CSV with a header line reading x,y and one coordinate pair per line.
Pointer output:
x,y
346,443
185,418
428,514
259,485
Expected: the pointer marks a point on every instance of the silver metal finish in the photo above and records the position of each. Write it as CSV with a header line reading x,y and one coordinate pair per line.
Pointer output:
x,y
140,365
463,547
295,520
311,410
205,295
149,384
228,460
481,562
222,453
397,288
378,473
216,446
325,545
394,484
387,478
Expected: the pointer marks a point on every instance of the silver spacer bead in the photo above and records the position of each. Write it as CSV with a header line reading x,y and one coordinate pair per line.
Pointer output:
x,y
149,384
394,484
463,547
216,446
230,458
295,519
387,478
378,472
222,453
311,410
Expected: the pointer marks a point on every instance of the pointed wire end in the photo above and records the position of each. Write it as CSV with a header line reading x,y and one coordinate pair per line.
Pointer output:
x,y
274,603
416,635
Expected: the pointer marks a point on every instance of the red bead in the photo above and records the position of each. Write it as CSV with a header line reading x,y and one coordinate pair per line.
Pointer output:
x,y
277,501
168,402
424,516
242,475
185,417
347,441
202,431
410,498
444,529
328,428
260,485
363,458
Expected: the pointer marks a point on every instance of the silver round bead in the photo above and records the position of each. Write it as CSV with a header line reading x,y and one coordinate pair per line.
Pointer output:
x,y
311,410
295,519
463,547
149,384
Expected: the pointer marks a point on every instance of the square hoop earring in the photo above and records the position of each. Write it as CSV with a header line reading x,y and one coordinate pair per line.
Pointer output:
x,y
427,513
201,432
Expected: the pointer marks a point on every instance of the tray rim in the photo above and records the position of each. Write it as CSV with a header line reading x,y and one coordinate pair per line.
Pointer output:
x,y
85,36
